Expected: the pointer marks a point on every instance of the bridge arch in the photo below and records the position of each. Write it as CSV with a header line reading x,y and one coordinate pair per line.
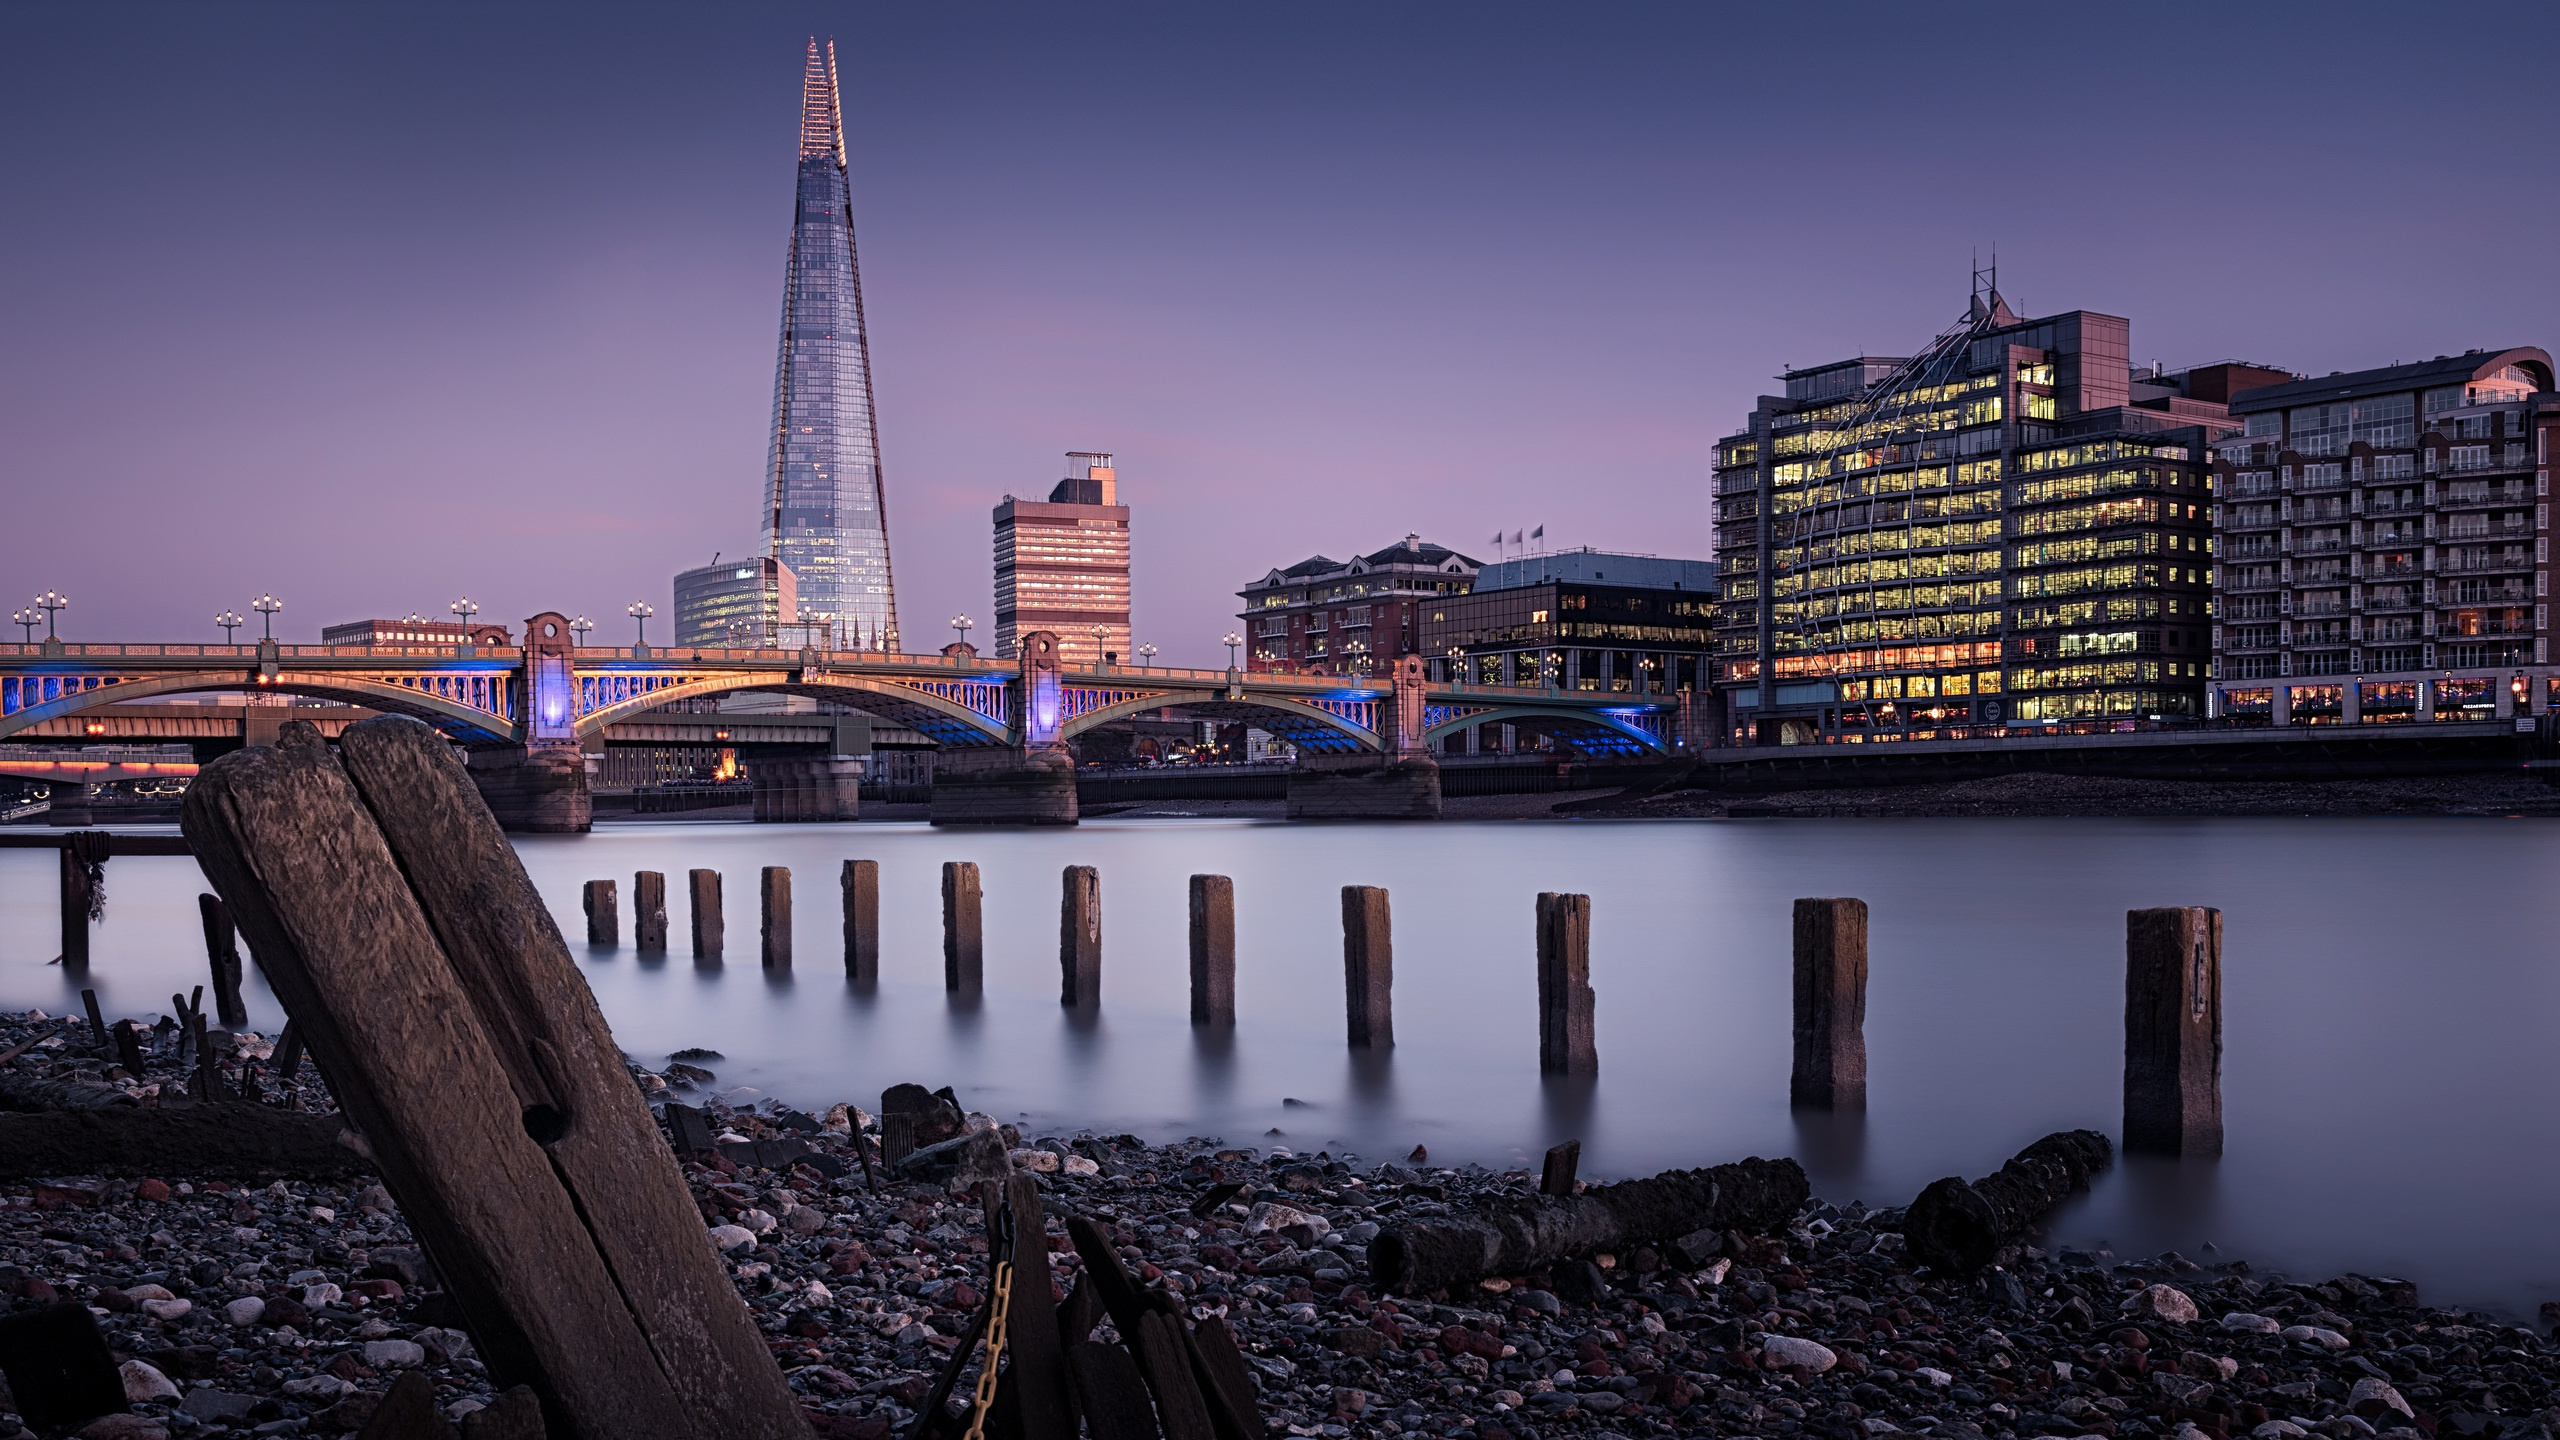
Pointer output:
x,y
1614,729
1310,725
354,690
946,721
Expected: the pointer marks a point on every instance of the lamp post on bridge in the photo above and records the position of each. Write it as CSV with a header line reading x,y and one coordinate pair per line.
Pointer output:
x,y
268,607
52,603
960,626
579,627
1101,633
1233,642
230,620
640,612
463,609
1146,657
30,620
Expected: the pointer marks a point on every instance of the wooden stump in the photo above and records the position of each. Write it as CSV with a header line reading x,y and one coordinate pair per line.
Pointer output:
x,y
1562,1161
1080,938
708,924
222,954
2173,1030
604,914
79,892
649,912
775,896
1368,967
1830,1071
1565,1042
861,883
1213,950
400,931
964,948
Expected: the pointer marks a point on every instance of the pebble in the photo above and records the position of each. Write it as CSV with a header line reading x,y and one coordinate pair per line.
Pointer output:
x,y
1787,1350
144,1384
2163,1302
394,1354
245,1310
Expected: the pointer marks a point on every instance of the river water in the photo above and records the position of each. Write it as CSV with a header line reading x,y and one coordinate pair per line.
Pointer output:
x,y
2389,997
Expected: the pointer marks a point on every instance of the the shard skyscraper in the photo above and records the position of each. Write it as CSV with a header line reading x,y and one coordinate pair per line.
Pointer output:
x,y
826,513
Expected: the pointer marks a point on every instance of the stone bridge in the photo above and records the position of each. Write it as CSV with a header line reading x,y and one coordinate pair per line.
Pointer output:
x,y
525,713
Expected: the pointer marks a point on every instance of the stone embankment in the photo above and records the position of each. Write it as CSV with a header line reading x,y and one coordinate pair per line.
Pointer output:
x,y
288,1306
2063,795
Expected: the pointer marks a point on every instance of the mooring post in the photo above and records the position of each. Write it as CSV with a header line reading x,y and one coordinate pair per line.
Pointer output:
x,y
861,881
97,1020
604,913
1213,950
2173,1030
706,913
222,952
649,912
1831,1006
1080,938
963,934
1565,1043
1562,1161
1368,967
77,896
776,896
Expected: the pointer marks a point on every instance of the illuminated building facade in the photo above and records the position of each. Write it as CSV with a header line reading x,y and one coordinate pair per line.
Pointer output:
x,y
1063,565
736,604
1578,620
1325,617
2011,526
826,516
2383,544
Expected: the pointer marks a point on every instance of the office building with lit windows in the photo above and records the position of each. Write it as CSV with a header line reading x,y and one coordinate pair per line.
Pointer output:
x,y
826,515
1329,617
1578,620
1062,565
736,604
2383,548
2011,526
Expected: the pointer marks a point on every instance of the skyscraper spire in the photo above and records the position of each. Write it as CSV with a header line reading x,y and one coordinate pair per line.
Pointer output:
x,y
826,510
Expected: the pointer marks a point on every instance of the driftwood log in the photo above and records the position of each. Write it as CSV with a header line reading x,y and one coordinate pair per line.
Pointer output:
x,y
33,1093
225,1141
1959,1227
395,923
1515,1234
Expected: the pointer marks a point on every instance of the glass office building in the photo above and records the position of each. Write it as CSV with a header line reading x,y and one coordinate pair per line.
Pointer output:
x,y
826,517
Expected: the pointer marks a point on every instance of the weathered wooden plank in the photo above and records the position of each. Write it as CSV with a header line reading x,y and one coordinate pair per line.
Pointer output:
x,y
482,1138
171,1139
1166,1362
1114,1394
604,914
1830,1071
2173,1030
1219,1368
861,884
1565,1043
1213,950
964,948
1037,1359
222,953
1368,967
709,925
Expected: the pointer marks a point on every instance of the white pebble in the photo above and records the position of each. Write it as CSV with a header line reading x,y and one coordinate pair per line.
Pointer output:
x,y
168,1309
144,1383
245,1310
1787,1350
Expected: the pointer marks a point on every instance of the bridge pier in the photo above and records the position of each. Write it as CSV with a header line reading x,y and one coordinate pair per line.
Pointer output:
x,y
1004,787
824,787
535,792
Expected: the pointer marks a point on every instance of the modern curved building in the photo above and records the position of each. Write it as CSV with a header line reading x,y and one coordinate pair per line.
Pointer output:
x,y
826,511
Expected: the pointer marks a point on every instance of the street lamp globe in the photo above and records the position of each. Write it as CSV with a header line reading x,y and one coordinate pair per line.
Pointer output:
x,y
268,607
230,620
52,603
1233,642
640,611
579,627
1146,655
28,618
960,626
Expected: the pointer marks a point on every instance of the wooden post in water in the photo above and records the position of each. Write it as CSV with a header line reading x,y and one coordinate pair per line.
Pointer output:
x,y
861,882
649,912
2173,1030
707,920
1368,967
401,932
1080,938
1565,1043
964,949
776,895
604,914
78,893
1830,1070
222,952
1213,950
1562,1161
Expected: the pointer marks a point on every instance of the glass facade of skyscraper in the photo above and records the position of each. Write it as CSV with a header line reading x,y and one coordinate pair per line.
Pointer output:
x,y
826,515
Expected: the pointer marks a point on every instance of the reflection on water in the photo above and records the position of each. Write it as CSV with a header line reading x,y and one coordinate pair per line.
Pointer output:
x,y
2385,1104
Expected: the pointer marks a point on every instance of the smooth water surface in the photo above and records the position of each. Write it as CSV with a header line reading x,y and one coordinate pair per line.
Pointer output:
x,y
2389,990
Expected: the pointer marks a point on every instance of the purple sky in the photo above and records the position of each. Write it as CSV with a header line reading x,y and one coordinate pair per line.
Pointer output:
x,y
374,306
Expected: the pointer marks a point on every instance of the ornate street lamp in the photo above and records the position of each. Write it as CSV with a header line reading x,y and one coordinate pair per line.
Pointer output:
x,y
960,626
52,603
579,627
463,609
1100,634
29,618
1232,641
1146,655
640,612
268,607
230,620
